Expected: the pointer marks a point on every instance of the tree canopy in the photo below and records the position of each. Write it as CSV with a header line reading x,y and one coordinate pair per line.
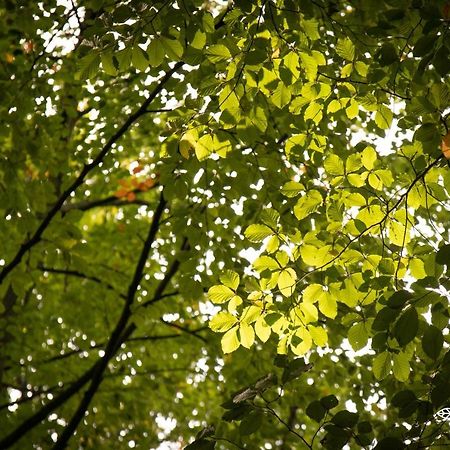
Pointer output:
x,y
225,225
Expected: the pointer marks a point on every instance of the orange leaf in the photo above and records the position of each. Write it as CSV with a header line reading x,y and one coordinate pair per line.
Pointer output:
x,y
446,11
138,169
28,46
121,193
134,182
131,196
445,146
147,184
124,183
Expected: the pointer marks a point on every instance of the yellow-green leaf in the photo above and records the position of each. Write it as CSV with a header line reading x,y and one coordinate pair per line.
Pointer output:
x,y
334,165
230,341
345,49
230,279
286,281
306,343
222,322
265,262
307,204
262,330
281,95
250,314
220,293
199,40
368,157
172,47
247,335
319,335
328,305
383,117
204,147
257,232
313,112
292,189
352,109
314,256
309,311
312,293
218,52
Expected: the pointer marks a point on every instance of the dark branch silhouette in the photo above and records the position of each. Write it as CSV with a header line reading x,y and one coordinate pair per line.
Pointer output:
x,y
36,237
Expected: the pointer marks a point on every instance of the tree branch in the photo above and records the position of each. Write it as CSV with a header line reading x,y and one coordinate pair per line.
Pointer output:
x,y
40,415
112,200
76,273
36,237
117,336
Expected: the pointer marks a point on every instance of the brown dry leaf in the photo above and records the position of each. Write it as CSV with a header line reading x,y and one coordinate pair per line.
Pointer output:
x,y
445,146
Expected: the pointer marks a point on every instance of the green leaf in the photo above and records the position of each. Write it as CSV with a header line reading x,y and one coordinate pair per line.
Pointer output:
x,y
316,411
329,402
199,40
251,423
443,255
281,96
358,336
220,294
399,298
201,444
401,367
222,322
407,326
345,49
390,443
172,47
345,419
294,369
432,341
307,204
155,53
382,365
217,53
383,117
139,59
257,232
387,55
108,63
292,189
